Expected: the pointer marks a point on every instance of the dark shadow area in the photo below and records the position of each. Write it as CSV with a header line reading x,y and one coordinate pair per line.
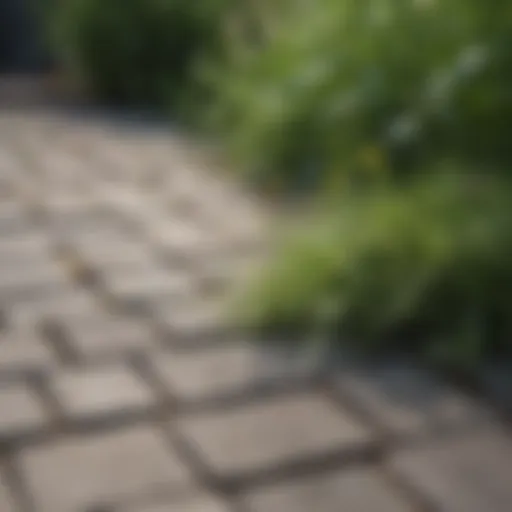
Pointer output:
x,y
22,41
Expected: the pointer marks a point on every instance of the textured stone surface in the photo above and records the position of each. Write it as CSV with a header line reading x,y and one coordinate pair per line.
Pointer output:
x,y
347,491
229,370
100,336
191,319
278,432
468,474
23,352
81,473
146,284
102,394
404,399
21,413
195,501
6,499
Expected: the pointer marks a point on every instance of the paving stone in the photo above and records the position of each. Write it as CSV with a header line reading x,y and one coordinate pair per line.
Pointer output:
x,y
64,301
28,246
195,501
13,218
23,353
231,370
192,319
405,400
21,413
100,394
6,499
103,336
182,239
146,285
31,281
108,254
347,491
280,432
464,474
84,473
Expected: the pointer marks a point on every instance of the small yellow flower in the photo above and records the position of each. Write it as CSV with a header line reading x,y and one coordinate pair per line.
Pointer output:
x,y
373,158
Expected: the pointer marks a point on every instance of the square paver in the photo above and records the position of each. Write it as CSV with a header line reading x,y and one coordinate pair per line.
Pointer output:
x,y
230,370
102,394
68,300
6,499
405,400
103,336
280,432
347,491
82,473
14,218
145,285
44,277
195,501
22,414
465,474
195,319
114,254
23,353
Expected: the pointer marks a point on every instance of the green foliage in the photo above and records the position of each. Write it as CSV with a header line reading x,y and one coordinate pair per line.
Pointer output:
x,y
426,267
136,51
411,80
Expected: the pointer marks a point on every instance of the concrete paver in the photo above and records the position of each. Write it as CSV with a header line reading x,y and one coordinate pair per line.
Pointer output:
x,y
102,394
405,400
22,413
350,491
81,473
283,431
469,474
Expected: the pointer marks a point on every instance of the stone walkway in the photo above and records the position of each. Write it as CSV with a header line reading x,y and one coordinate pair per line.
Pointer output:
x,y
122,390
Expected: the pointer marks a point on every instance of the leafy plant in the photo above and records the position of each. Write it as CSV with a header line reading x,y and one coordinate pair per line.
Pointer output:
x,y
136,51
425,268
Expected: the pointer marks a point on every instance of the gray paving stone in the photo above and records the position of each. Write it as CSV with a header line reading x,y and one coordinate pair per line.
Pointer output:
x,y
280,432
13,218
81,473
143,286
23,352
465,474
6,499
114,254
347,491
103,336
195,501
31,246
182,239
405,400
191,318
62,302
100,394
231,370
21,413
31,281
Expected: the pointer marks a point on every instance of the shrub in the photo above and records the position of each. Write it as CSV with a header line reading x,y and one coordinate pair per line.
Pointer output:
x,y
136,51
426,268
408,80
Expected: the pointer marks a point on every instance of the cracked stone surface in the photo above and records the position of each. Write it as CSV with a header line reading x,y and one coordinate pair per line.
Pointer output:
x,y
118,246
